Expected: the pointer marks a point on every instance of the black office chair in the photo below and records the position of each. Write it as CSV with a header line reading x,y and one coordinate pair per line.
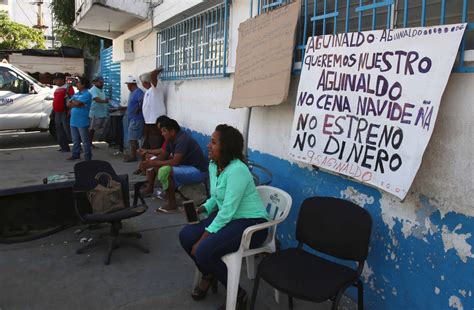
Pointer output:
x,y
85,173
332,226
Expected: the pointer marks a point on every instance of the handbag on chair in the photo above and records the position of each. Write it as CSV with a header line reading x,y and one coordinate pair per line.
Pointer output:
x,y
106,199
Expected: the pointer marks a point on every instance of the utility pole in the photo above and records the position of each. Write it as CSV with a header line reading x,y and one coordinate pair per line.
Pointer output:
x,y
39,18
39,15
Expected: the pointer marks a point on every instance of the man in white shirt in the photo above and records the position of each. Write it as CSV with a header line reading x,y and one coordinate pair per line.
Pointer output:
x,y
153,107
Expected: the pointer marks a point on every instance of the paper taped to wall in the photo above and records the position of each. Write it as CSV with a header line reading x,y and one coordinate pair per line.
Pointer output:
x,y
264,58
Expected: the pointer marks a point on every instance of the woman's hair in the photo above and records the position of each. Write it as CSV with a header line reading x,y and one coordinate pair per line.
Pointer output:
x,y
84,81
231,144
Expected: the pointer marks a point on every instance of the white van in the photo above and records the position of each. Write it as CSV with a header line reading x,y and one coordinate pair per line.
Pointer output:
x,y
25,103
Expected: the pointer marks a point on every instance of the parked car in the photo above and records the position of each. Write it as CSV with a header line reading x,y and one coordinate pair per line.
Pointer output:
x,y
25,103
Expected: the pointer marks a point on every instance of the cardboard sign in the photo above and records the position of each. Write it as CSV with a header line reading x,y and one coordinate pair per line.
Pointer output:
x,y
367,101
264,58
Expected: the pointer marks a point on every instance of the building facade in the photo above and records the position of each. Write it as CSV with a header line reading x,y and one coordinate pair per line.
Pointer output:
x,y
421,254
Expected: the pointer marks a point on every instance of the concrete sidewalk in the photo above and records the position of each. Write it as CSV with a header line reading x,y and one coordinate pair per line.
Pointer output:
x,y
47,274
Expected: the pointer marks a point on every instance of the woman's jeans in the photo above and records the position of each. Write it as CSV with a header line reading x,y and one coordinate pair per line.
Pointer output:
x,y
79,134
225,241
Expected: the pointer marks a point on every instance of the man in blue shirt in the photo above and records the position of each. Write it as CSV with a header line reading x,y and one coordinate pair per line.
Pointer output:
x,y
135,117
182,163
80,105
99,108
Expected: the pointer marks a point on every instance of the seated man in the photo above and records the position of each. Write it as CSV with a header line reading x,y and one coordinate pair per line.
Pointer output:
x,y
147,154
183,162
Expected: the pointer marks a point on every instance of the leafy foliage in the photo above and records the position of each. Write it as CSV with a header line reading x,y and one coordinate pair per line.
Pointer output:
x,y
17,36
64,15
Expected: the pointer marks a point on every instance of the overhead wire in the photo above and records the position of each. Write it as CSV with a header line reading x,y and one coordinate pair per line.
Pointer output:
x,y
21,8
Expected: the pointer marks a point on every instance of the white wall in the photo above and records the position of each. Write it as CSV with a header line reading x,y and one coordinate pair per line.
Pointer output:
x,y
136,7
444,176
4,6
171,8
407,234
202,104
447,170
144,55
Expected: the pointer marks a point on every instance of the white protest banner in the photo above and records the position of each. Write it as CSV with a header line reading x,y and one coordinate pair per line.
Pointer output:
x,y
367,101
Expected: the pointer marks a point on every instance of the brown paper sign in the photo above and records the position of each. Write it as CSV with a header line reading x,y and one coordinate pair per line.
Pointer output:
x,y
264,58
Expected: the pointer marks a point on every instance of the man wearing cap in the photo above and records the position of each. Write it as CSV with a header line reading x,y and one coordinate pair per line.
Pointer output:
x,y
135,117
61,121
99,109
153,107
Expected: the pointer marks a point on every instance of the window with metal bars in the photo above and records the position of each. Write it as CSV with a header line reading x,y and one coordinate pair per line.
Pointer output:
x,y
335,16
195,47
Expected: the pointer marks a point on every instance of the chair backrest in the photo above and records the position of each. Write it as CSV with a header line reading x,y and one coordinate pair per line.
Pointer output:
x,y
85,172
278,204
335,226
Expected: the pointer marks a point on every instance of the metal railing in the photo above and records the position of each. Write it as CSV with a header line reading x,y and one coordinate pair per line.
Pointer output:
x,y
195,47
335,16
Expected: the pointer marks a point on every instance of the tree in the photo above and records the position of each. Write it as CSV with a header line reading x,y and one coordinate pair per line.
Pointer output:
x,y
64,15
17,36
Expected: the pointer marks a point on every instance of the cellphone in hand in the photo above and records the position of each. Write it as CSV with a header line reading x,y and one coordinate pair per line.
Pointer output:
x,y
190,211
152,158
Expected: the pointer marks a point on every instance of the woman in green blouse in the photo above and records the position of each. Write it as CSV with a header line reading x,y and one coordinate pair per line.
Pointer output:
x,y
233,206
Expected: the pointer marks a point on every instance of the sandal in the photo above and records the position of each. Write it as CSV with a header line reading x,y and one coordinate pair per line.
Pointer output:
x,y
200,294
166,211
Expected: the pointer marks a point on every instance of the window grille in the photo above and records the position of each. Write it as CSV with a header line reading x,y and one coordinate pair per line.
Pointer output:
x,y
195,47
335,16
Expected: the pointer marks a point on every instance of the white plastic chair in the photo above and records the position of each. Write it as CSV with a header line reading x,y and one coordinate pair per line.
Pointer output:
x,y
278,203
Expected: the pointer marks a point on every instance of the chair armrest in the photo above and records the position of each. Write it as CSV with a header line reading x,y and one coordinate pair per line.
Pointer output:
x,y
249,231
79,195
